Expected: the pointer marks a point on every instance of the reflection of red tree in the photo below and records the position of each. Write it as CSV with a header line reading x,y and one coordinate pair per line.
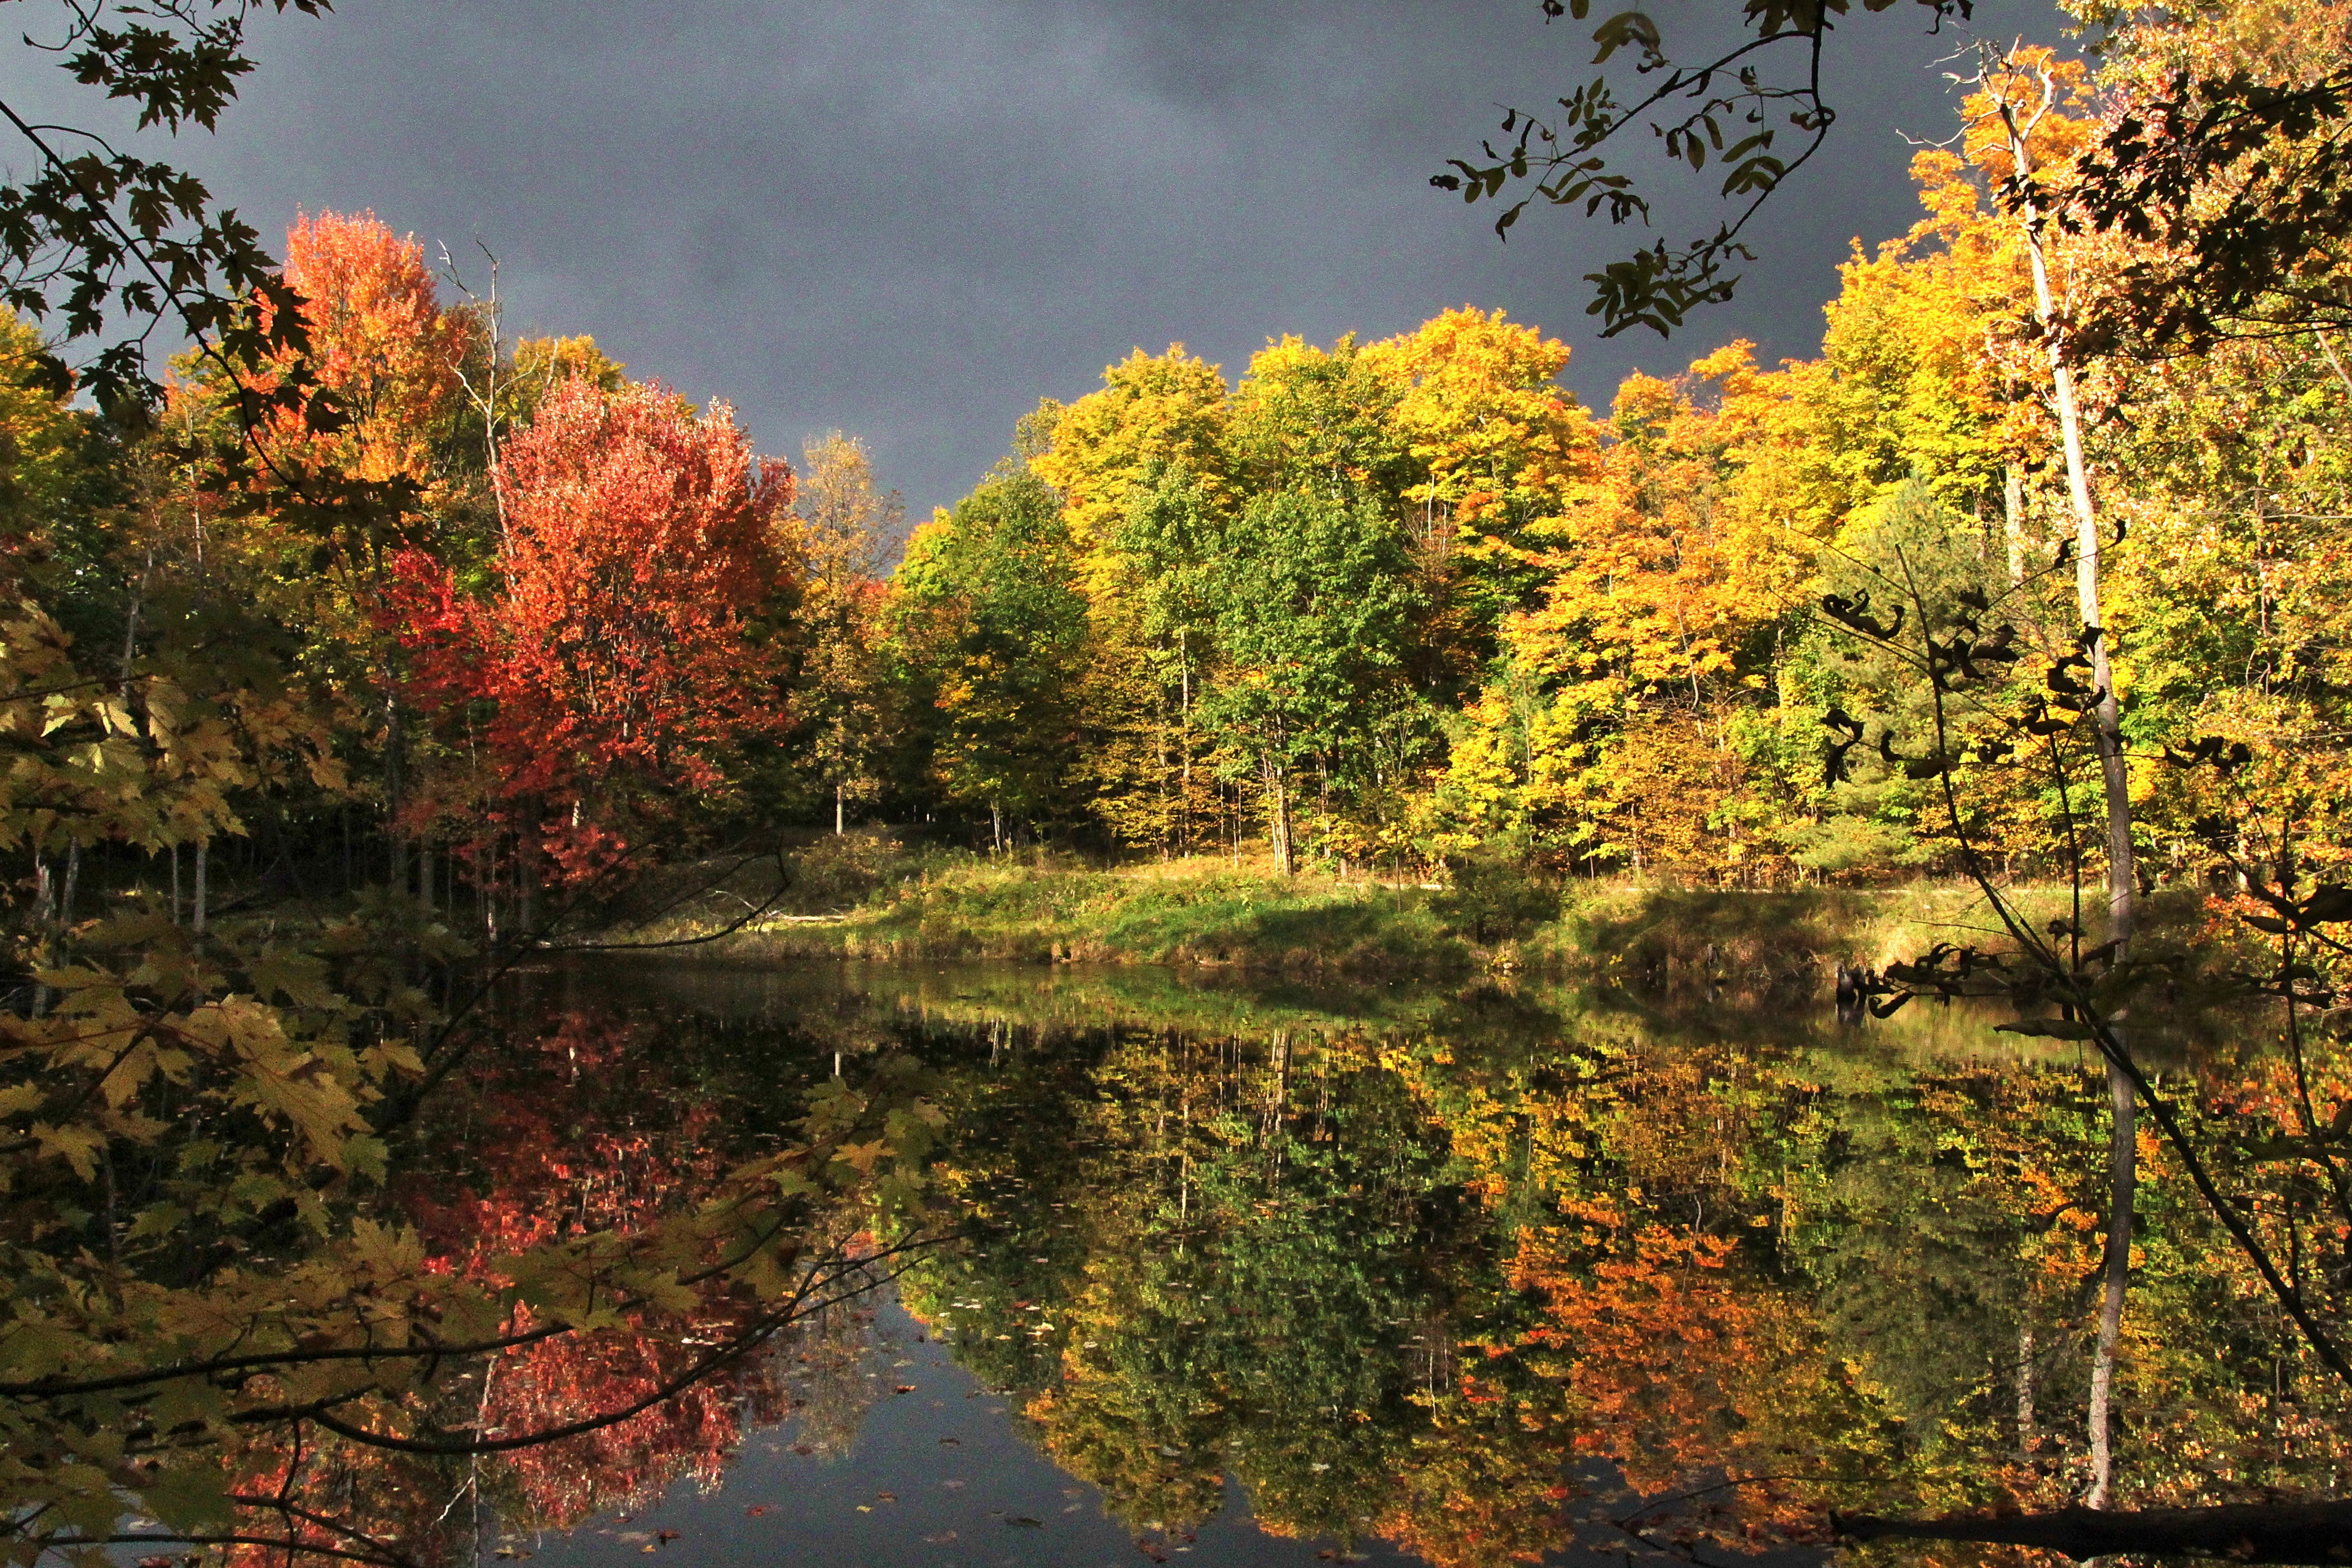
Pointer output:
x,y
577,1132
582,1133
584,1129
692,1434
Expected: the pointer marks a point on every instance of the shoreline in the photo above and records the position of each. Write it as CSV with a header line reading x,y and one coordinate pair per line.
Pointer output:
x,y
869,901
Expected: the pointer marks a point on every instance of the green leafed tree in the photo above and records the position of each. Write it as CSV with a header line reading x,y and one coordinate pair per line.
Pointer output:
x,y
1310,600
990,630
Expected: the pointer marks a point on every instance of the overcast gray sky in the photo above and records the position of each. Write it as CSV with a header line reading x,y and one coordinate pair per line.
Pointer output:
x,y
912,219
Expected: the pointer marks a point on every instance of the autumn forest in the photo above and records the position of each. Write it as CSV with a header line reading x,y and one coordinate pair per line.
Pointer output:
x,y
1375,950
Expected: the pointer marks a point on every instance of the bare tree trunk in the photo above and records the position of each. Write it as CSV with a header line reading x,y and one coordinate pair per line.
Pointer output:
x,y
204,856
2123,1156
526,871
2025,1432
840,809
2013,518
1277,815
2334,364
1184,732
2122,885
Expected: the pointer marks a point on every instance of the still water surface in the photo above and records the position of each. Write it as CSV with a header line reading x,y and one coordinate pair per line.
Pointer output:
x,y
1270,1275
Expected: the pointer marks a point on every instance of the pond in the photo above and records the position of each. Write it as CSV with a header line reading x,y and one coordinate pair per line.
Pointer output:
x,y
1253,1275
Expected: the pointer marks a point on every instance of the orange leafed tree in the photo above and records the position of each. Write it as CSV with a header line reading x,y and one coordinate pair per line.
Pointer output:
x,y
380,343
621,650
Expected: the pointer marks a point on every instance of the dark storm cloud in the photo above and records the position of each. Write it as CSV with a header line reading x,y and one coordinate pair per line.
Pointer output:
x,y
912,221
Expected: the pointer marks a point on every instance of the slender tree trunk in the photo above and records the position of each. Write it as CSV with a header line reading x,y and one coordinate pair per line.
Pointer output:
x,y
1277,816
203,857
840,809
2106,721
73,881
1184,732
2123,1156
2115,779
175,884
2025,1432
2334,364
2013,518
526,871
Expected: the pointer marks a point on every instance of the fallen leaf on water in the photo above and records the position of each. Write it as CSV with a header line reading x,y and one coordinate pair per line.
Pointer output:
x,y
634,1535
1025,1522
756,1509
951,1485
863,1508
886,1497
902,1388
941,1539
803,1448
951,1442
1071,1509
666,1536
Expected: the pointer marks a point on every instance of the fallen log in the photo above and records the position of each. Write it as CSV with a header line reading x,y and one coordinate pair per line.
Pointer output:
x,y
2245,1532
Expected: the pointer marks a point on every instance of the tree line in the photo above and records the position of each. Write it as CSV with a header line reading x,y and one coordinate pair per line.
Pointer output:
x,y
1406,598
1375,602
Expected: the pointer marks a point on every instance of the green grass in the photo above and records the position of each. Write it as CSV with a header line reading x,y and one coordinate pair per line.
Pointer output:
x,y
866,899
970,907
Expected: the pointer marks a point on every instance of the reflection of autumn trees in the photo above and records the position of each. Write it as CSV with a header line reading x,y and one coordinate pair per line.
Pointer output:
x,y
599,1126
1402,1287
591,1129
1476,1294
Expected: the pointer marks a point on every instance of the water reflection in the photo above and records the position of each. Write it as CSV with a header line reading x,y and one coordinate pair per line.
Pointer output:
x,y
1476,1278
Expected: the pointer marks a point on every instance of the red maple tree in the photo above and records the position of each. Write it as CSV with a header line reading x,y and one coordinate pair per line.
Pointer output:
x,y
620,660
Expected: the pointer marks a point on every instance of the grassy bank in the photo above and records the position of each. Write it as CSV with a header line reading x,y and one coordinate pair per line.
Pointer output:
x,y
864,898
